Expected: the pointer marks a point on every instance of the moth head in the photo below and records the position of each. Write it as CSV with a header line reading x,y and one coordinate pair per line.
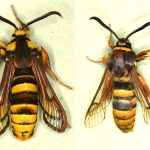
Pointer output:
x,y
123,42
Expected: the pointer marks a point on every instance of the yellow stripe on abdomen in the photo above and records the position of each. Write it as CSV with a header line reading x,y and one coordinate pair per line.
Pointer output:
x,y
24,87
123,93
22,135
23,118
23,128
123,115
18,107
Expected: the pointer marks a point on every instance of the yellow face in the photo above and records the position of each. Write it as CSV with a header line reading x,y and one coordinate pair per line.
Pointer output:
x,y
22,32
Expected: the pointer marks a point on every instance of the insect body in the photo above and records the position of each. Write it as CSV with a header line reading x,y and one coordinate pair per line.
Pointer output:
x,y
120,83
24,102
124,101
24,84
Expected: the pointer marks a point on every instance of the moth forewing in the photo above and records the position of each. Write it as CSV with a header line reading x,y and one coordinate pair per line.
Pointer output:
x,y
49,102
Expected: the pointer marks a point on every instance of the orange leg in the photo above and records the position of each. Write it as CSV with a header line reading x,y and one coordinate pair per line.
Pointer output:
x,y
94,61
104,59
2,50
46,63
110,42
143,55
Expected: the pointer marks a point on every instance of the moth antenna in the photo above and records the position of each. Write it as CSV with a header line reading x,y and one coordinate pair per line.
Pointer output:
x,y
43,17
104,25
138,29
16,16
8,22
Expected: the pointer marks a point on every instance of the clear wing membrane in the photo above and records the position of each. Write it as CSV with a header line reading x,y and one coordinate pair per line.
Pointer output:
x,y
97,109
53,112
142,92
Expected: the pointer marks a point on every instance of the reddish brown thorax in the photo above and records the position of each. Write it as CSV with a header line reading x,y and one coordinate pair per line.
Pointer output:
x,y
118,54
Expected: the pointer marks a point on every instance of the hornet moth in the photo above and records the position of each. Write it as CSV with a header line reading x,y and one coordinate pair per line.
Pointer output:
x,y
24,84
121,83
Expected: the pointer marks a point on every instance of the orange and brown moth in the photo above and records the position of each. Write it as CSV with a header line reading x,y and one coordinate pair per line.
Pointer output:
x,y
24,85
121,83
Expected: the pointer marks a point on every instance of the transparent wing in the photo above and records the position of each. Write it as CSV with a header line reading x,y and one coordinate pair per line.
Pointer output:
x,y
53,112
97,109
142,92
4,95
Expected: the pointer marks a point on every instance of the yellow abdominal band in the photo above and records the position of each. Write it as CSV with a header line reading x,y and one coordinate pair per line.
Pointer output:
x,y
28,87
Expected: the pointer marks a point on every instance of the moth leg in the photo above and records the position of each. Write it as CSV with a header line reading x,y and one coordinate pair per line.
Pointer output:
x,y
47,67
103,60
110,42
57,79
144,55
2,50
94,61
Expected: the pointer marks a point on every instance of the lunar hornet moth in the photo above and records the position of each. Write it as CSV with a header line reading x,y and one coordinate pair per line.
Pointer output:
x,y
121,83
24,84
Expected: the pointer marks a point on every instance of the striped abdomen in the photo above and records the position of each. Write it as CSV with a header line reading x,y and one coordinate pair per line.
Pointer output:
x,y
124,103
24,103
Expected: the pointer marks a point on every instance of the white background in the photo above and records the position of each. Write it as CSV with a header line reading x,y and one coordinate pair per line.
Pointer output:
x,y
68,42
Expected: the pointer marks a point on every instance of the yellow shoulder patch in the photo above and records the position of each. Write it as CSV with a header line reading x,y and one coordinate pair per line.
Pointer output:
x,y
2,53
2,45
31,44
2,49
39,49
11,46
